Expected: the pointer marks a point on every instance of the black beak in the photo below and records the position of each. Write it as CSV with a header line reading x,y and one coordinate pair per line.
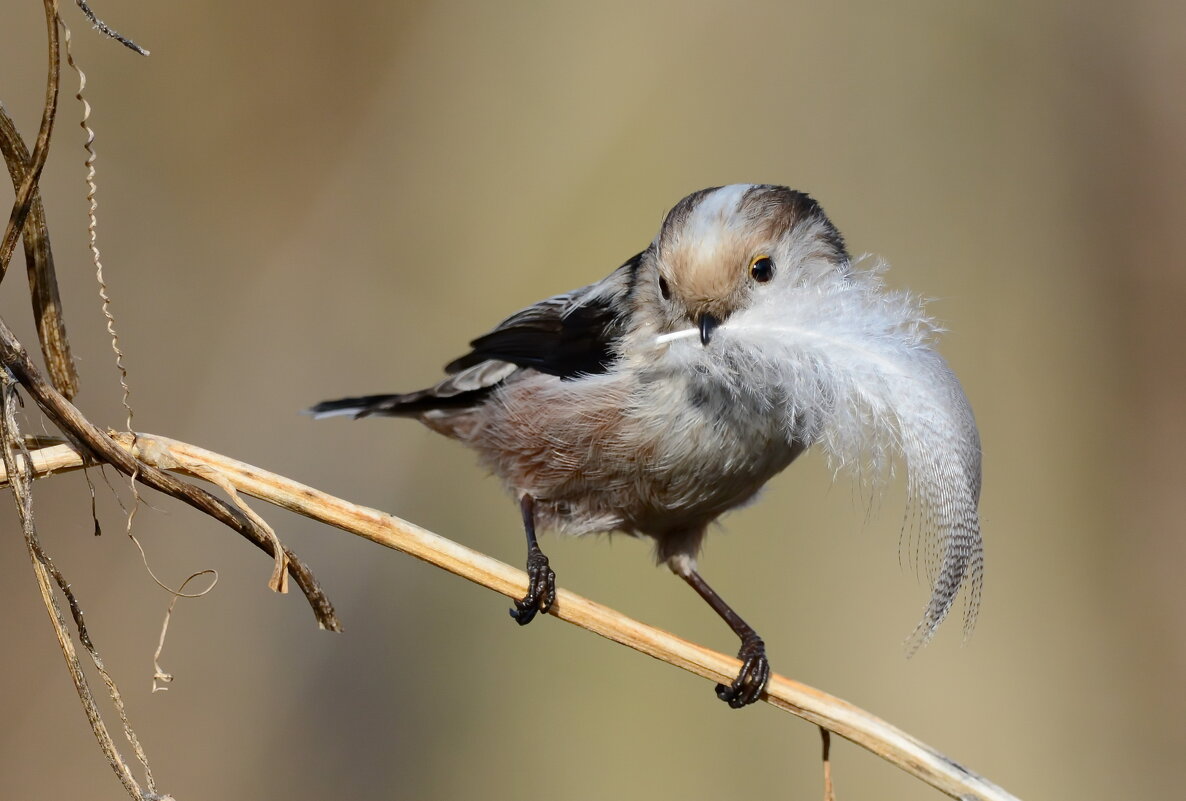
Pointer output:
x,y
707,324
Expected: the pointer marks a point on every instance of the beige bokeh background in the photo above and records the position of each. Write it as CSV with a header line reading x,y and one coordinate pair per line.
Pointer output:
x,y
301,201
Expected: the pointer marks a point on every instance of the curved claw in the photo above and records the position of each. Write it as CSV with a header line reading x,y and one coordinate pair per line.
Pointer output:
x,y
541,589
751,679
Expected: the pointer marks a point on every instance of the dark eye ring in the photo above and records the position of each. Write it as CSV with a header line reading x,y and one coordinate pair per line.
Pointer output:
x,y
664,290
761,269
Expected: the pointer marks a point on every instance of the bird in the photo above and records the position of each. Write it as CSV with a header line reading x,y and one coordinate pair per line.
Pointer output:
x,y
670,392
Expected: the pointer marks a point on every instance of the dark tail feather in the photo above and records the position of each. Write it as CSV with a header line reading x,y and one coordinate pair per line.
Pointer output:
x,y
466,389
412,404
408,405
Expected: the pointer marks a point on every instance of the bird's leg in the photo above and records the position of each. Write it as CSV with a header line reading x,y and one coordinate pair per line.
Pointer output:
x,y
755,669
541,586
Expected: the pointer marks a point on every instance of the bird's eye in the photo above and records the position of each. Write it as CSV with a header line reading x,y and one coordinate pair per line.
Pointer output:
x,y
761,269
664,290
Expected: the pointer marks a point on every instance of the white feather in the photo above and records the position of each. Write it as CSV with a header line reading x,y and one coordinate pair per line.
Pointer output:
x,y
853,371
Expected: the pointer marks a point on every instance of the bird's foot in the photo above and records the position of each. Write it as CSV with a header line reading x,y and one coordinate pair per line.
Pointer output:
x,y
751,680
541,588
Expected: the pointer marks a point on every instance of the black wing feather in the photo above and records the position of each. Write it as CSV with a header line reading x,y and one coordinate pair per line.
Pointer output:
x,y
567,335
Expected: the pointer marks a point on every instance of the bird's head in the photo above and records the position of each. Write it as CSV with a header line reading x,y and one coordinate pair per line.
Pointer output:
x,y
726,249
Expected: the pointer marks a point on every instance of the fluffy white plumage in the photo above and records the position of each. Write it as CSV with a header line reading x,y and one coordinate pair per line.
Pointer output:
x,y
857,376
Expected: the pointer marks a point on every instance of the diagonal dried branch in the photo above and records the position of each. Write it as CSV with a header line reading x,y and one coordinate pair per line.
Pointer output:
x,y
829,712
101,448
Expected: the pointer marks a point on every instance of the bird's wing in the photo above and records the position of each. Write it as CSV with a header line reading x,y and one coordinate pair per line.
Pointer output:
x,y
567,335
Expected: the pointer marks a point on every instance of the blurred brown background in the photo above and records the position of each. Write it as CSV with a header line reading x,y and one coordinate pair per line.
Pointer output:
x,y
306,200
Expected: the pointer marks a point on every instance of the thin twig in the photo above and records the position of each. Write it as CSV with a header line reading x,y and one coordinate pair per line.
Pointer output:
x,y
834,714
103,28
99,446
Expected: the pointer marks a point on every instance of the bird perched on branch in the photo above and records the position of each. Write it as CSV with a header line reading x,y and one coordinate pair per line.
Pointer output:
x,y
670,392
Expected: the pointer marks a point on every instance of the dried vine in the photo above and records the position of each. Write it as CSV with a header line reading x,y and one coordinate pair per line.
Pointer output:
x,y
52,395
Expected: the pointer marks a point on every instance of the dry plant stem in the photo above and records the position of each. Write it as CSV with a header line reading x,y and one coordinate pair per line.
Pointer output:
x,y
850,722
24,196
39,260
829,790
20,480
100,447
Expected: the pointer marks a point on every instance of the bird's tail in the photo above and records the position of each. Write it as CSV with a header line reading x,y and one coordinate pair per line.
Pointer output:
x,y
462,390
407,405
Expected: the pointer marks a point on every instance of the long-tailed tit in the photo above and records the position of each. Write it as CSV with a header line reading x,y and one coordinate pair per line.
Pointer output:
x,y
670,392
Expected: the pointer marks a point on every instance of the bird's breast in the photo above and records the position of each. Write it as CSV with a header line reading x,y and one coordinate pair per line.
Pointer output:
x,y
711,448
637,452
